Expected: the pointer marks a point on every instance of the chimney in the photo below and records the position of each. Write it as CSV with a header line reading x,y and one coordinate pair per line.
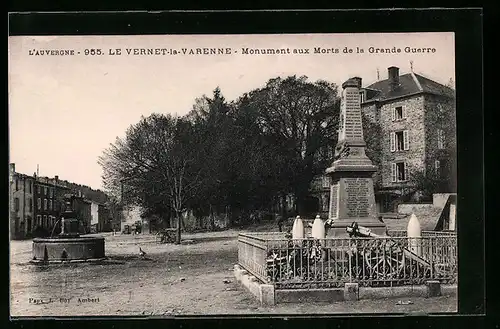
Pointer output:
x,y
358,80
393,73
56,178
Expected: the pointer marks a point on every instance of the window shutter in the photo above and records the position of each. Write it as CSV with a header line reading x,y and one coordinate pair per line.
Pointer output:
x,y
406,140
404,111
393,141
394,114
437,167
407,172
393,172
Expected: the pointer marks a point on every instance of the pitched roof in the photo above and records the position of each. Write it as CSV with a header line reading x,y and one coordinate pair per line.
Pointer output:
x,y
409,83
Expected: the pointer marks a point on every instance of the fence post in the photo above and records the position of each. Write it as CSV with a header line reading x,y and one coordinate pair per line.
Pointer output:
x,y
431,256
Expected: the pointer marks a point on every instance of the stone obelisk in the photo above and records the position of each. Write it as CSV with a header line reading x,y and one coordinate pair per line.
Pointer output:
x,y
352,197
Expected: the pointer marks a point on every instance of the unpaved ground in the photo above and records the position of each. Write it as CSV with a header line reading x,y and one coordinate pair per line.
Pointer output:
x,y
173,280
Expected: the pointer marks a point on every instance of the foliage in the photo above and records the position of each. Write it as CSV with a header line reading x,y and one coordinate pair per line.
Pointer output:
x,y
226,157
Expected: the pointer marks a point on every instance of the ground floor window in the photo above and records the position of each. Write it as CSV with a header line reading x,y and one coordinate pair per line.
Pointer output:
x,y
399,172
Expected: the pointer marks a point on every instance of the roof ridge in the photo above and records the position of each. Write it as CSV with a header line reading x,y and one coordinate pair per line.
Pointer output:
x,y
415,79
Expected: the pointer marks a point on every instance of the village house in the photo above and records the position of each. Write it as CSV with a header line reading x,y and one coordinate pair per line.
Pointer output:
x,y
409,128
36,204
21,203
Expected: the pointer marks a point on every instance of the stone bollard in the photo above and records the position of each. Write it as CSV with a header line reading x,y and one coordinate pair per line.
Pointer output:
x,y
433,288
318,228
414,235
267,296
298,229
351,291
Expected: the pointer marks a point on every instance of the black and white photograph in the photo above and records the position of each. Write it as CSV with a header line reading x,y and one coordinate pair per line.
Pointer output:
x,y
201,174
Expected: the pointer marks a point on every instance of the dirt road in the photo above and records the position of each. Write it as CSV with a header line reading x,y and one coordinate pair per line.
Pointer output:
x,y
186,279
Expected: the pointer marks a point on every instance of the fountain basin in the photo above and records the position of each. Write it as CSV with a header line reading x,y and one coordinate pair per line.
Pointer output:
x,y
60,249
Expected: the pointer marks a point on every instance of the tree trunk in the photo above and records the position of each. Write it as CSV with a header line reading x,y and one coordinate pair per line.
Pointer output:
x,y
178,235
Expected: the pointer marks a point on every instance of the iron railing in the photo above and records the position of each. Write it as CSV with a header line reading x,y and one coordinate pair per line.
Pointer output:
x,y
332,262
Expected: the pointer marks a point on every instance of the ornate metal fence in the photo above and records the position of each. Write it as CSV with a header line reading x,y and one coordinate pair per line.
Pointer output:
x,y
322,263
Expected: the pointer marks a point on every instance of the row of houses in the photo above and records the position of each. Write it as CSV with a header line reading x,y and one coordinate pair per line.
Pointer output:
x,y
36,204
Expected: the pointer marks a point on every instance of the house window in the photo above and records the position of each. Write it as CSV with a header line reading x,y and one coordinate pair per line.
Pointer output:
x,y
44,221
362,96
437,167
17,184
45,190
30,188
38,220
38,189
50,205
398,113
399,172
51,192
30,204
16,204
400,141
440,139
44,204
39,203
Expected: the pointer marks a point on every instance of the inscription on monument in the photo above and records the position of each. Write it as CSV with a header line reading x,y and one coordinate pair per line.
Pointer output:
x,y
333,201
357,197
353,119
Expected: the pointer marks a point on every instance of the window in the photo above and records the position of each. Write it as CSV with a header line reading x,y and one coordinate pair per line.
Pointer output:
x,y
362,96
17,184
51,192
45,190
30,188
30,204
398,113
440,139
400,141
39,204
437,167
50,205
16,204
38,220
44,204
44,221
399,171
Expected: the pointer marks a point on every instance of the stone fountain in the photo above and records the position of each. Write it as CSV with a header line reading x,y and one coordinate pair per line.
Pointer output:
x,y
68,245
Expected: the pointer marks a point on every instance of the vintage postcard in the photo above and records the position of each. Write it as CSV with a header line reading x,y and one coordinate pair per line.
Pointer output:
x,y
167,175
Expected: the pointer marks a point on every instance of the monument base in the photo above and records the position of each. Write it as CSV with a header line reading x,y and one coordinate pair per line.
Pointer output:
x,y
338,228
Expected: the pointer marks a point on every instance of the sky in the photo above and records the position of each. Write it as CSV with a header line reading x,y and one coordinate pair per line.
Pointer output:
x,y
65,110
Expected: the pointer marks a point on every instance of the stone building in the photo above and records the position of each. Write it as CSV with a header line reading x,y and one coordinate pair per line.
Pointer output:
x,y
409,127
47,203
36,203
21,203
412,130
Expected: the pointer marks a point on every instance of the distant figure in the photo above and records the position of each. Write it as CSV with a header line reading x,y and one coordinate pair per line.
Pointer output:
x,y
280,223
142,253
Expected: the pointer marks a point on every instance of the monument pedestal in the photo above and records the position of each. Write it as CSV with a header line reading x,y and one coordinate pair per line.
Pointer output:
x,y
352,198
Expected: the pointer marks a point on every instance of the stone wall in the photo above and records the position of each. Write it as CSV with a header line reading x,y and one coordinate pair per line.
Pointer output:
x,y
414,123
440,114
410,208
439,199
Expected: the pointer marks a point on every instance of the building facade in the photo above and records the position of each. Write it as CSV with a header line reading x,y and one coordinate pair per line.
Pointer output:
x,y
36,204
21,204
46,206
409,128
412,119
